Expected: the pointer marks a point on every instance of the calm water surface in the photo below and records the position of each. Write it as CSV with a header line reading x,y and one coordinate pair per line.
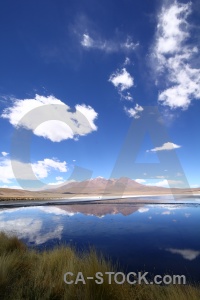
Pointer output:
x,y
159,238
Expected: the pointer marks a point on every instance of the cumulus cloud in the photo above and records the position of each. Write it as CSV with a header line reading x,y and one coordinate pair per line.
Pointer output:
x,y
43,167
166,183
6,173
40,168
134,112
4,153
165,147
188,254
108,46
78,123
122,80
140,180
173,56
172,28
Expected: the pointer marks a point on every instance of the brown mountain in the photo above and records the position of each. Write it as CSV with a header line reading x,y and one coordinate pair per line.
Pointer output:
x,y
101,186
97,186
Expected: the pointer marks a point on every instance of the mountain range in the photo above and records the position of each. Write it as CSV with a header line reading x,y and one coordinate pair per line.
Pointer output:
x,y
98,186
102,186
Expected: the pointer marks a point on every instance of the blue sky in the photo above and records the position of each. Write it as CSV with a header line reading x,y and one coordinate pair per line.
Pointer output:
x,y
98,63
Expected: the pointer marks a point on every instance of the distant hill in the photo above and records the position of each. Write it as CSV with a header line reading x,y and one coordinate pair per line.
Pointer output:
x,y
101,185
97,186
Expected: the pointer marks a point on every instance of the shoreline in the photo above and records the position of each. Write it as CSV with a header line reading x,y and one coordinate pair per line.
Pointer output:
x,y
115,199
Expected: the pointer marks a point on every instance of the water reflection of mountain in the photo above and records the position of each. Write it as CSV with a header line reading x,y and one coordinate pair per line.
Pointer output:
x,y
100,210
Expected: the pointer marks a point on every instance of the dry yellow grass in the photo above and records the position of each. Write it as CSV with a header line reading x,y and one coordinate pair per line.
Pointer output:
x,y
27,274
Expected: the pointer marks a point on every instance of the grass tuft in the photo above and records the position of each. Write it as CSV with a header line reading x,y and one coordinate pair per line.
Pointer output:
x,y
31,275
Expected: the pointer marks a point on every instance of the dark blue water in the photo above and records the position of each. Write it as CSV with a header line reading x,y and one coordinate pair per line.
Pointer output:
x,y
160,238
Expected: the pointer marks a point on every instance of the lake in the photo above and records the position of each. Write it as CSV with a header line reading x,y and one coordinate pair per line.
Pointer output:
x,y
161,238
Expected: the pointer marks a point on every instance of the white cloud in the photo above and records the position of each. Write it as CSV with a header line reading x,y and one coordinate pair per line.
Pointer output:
x,y
185,253
56,184
40,168
172,28
140,180
6,173
54,130
165,147
4,153
43,167
90,114
166,183
129,44
134,112
122,80
87,41
174,56
108,46
127,61
162,183
79,123
16,187
59,178
127,96
194,185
